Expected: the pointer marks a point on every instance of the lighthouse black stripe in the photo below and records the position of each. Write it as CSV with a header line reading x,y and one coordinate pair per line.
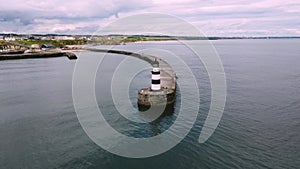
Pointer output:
x,y
156,81
156,73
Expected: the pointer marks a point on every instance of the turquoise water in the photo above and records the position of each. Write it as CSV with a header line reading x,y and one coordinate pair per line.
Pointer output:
x,y
259,128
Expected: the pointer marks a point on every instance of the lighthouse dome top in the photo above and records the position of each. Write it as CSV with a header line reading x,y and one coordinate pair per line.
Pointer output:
x,y
155,63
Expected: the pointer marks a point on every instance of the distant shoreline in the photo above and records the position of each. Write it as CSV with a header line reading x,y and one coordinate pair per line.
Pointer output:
x,y
35,44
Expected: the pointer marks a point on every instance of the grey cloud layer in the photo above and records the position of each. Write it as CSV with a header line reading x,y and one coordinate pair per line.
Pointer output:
x,y
225,18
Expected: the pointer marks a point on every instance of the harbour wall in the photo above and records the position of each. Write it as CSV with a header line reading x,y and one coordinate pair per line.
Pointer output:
x,y
146,96
69,55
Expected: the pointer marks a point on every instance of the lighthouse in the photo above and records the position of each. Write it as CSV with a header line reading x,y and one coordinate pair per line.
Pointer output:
x,y
155,85
163,89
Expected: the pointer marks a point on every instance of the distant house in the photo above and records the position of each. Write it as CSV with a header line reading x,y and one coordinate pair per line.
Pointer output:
x,y
64,38
35,46
9,38
69,38
47,46
46,38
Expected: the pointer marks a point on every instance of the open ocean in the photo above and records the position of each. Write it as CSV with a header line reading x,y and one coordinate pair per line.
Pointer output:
x,y
259,129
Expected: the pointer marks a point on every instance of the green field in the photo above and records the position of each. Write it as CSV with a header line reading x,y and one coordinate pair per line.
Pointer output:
x,y
56,43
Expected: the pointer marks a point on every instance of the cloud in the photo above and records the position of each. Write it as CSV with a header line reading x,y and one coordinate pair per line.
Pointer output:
x,y
213,17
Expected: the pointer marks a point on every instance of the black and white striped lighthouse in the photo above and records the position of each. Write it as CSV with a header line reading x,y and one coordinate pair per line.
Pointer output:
x,y
155,85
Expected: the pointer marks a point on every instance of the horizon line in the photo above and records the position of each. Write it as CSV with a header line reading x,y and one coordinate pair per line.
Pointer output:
x,y
209,36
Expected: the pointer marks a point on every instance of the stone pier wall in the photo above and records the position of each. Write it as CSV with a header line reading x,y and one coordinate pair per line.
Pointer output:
x,y
168,76
147,97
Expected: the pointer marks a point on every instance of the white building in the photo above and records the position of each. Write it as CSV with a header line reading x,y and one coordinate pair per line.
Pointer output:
x,y
9,38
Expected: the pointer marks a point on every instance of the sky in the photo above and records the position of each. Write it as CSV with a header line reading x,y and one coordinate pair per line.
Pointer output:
x,y
212,17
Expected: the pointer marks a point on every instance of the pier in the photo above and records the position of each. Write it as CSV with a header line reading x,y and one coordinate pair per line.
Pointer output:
x,y
39,55
148,97
168,76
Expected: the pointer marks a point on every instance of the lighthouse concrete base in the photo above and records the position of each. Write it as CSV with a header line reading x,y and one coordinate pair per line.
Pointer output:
x,y
148,97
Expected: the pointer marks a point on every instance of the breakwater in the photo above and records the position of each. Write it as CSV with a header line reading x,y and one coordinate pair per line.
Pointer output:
x,y
146,96
168,76
69,55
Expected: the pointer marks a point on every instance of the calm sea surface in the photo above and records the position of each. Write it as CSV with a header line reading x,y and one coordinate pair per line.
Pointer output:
x,y
259,129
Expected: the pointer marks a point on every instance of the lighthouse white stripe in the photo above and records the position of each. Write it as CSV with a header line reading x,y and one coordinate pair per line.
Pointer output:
x,y
155,77
155,86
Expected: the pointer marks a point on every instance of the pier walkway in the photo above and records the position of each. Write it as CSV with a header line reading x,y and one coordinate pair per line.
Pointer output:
x,y
167,75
